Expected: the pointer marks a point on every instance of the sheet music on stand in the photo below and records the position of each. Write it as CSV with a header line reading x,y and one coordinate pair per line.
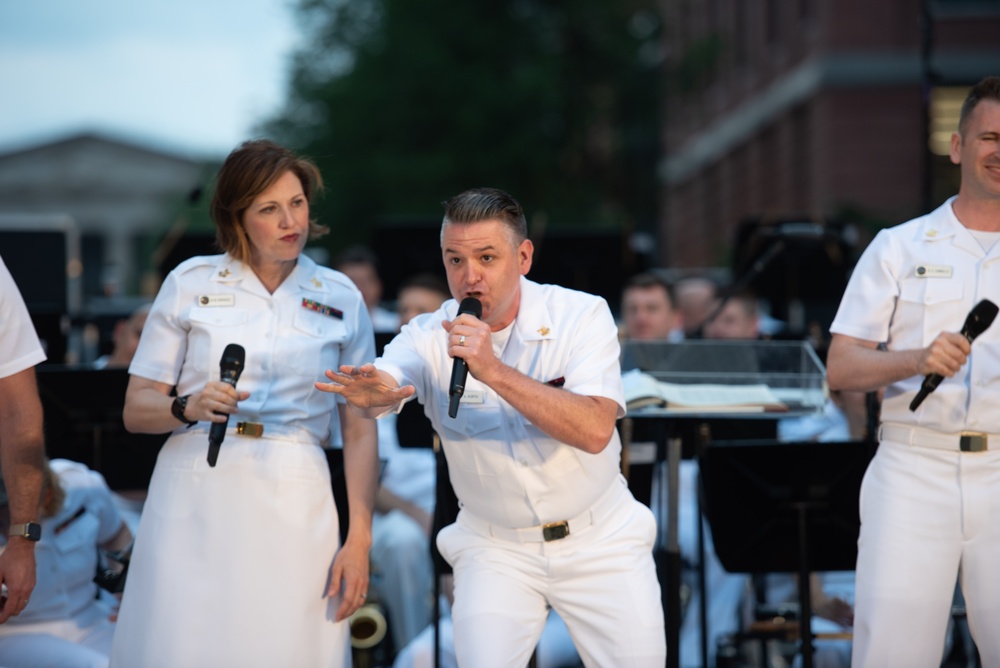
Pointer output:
x,y
791,370
787,371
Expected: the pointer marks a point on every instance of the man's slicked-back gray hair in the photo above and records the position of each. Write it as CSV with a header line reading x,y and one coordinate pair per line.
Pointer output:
x,y
479,204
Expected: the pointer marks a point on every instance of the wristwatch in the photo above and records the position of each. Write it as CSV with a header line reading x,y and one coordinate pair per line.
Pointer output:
x,y
177,408
28,530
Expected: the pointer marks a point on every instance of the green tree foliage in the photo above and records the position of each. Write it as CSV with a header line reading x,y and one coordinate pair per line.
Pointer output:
x,y
404,103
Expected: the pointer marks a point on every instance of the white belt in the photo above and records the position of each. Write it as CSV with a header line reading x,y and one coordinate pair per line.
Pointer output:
x,y
258,430
966,441
550,531
536,534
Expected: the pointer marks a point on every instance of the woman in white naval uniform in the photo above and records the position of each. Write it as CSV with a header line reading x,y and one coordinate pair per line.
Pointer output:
x,y
239,564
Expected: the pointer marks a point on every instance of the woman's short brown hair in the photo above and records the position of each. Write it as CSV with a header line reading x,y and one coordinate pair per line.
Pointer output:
x,y
248,171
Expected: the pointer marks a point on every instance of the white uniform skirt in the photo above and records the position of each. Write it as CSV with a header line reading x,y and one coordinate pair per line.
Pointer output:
x,y
231,563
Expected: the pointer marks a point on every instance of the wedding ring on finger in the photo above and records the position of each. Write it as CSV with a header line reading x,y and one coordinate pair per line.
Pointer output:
x,y
461,340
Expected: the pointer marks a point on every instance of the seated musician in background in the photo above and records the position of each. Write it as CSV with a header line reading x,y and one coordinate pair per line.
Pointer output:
x,y
125,340
738,318
648,310
68,622
693,298
360,264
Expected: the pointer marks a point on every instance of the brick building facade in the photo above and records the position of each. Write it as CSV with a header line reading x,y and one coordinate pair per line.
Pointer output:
x,y
814,109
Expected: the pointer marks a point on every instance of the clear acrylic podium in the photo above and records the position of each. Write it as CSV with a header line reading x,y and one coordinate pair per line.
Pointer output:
x,y
792,372
791,369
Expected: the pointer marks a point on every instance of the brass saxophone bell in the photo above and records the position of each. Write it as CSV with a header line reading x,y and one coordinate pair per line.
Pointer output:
x,y
368,626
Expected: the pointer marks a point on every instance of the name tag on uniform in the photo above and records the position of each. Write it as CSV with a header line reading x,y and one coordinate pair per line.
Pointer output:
x,y
933,271
473,397
217,300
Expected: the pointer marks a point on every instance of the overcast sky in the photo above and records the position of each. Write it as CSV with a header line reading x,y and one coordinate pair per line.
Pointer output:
x,y
189,76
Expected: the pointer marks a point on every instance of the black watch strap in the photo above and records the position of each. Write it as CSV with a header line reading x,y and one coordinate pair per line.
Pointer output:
x,y
177,408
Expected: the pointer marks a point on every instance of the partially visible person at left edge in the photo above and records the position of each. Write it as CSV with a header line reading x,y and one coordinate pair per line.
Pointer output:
x,y
930,500
240,564
547,520
22,445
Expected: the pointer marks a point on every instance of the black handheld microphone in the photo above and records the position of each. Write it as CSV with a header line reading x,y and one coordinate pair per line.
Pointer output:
x,y
460,370
230,367
978,320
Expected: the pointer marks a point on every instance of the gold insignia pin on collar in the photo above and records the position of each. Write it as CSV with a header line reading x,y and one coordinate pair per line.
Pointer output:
x,y
932,233
544,331
225,272
316,282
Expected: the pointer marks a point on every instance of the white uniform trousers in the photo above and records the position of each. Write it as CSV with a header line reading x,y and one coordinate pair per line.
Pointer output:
x,y
927,516
555,649
600,579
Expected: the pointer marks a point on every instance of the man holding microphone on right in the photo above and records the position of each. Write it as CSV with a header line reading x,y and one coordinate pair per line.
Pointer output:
x,y
930,501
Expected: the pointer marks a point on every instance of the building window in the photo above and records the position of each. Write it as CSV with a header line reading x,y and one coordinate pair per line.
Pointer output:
x,y
946,105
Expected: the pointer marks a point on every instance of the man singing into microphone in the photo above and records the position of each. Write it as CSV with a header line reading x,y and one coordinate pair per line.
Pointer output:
x,y
546,519
931,497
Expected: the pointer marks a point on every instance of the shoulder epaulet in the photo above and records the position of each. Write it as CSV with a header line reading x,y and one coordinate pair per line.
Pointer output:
x,y
197,261
337,277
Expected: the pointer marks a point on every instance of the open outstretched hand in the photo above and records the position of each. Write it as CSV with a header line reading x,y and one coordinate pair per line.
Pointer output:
x,y
365,387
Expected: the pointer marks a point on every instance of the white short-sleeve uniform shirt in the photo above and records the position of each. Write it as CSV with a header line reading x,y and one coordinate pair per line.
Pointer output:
x,y
19,345
314,321
914,281
503,468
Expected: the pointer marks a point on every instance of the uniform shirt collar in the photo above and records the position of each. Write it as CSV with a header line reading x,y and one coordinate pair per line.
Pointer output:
x,y
306,273
228,270
942,224
533,321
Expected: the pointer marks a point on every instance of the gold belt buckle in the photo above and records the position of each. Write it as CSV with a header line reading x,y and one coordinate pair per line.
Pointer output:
x,y
555,530
973,441
254,429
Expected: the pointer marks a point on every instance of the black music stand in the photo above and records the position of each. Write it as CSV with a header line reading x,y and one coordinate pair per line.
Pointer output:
x,y
83,422
790,369
785,507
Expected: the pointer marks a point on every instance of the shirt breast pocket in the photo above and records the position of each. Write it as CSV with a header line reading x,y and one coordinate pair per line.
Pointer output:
x,y
477,428
316,344
932,306
212,329
77,534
